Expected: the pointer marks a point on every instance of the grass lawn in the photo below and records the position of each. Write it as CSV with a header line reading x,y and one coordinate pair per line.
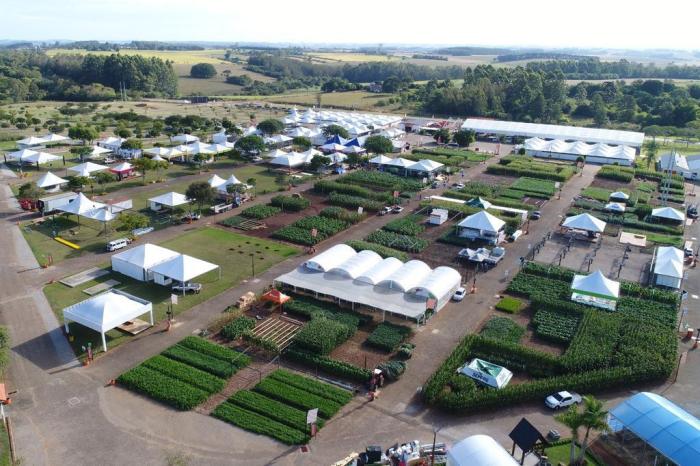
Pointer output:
x,y
229,250
560,454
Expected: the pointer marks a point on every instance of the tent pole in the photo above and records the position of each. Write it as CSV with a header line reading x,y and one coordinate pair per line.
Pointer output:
x,y
65,325
150,312
104,342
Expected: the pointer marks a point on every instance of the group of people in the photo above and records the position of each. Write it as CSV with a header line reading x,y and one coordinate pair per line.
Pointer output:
x,y
375,383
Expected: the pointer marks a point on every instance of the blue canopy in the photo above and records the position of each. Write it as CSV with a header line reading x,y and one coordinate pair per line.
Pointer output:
x,y
359,142
336,140
668,428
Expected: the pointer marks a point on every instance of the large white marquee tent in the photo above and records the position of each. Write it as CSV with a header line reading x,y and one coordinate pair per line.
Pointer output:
x,y
479,450
594,153
138,261
668,267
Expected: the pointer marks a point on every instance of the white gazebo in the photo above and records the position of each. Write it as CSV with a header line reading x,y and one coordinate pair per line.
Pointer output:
x,y
98,152
111,143
106,311
482,226
595,290
81,205
215,181
585,222
41,158
332,147
53,137
479,450
171,199
380,160
617,207
181,268
668,213
668,267
138,261
50,182
87,168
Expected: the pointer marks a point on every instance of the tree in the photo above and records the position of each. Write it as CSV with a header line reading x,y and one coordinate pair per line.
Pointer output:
x,y
464,137
129,221
123,132
302,142
201,193
78,182
103,178
355,159
593,417
201,158
203,71
335,130
600,111
318,161
81,152
132,144
30,191
442,135
143,164
83,133
573,420
651,148
252,182
250,144
270,126
378,145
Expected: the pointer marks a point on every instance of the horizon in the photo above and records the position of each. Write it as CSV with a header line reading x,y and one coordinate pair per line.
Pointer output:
x,y
376,24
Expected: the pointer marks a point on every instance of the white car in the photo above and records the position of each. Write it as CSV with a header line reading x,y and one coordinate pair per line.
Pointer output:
x,y
562,399
459,294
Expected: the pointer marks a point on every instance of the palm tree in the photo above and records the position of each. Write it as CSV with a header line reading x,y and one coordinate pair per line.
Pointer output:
x,y
593,417
573,420
651,149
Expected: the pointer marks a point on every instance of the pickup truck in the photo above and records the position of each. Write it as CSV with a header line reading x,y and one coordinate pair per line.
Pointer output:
x,y
187,288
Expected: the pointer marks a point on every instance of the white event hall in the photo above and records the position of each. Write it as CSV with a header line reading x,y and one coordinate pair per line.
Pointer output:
x,y
598,153
364,278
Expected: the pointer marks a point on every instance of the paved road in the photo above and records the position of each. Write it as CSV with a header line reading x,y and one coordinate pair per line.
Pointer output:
x,y
63,413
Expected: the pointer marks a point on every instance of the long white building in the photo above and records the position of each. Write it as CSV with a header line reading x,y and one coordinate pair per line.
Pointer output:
x,y
594,153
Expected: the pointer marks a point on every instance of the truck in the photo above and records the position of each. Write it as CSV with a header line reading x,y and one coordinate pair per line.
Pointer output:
x,y
491,257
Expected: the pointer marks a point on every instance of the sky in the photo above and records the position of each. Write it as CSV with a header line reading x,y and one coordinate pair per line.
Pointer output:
x,y
523,23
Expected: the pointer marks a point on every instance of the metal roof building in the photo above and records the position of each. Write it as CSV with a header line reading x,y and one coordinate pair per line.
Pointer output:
x,y
568,133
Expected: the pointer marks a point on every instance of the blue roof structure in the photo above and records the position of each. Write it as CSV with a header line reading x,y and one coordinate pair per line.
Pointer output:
x,y
668,428
336,140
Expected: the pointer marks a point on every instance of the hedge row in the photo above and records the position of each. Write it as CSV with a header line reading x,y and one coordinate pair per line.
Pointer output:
x,y
381,180
388,336
237,327
158,386
185,373
397,241
296,397
342,214
409,225
328,186
216,351
260,211
273,409
290,203
345,200
312,386
322,335
201,361
259,424
328,365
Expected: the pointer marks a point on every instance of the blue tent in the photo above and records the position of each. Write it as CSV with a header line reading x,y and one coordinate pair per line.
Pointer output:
x,y
665,426
359,141
336,140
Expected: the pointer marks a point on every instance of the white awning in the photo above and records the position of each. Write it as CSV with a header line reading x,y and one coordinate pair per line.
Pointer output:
x,y
87,168
183,268
482,221
171,199
585,222
49,180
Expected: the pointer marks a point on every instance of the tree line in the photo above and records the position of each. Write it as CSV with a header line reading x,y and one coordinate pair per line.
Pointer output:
x,y
33,75
94,45
593,68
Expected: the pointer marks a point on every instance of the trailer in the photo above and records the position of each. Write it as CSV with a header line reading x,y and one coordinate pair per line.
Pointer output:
x,y
50,203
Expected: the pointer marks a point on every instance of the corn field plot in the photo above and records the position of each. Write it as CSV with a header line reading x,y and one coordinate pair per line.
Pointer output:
x,y
281,332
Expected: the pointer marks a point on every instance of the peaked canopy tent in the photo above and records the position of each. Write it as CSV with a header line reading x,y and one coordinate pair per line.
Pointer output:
x,y
50,182
137,262
487,373
482,226
354,150
380,160
332,147
619,196
584,222
87,168
215,181
98,152
660,423
53,137
290,160
112,143
181,268
106,311
41,158
615,207
81,205
31,141
479,450
668,267
20,155
595,290
123,169
426,167
171,200
275,153
184,139
668,213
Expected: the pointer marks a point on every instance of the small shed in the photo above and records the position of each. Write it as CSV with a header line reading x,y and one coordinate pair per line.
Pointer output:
x,y
438,216
487,373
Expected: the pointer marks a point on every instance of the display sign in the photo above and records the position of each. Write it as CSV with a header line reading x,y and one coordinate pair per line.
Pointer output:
x,y
173,298
311,416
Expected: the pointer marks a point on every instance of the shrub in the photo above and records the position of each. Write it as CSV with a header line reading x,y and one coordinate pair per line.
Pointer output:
x,y
322,335
201,361
381,180
345,200
272,409
328,186
611,172
328,365
384,251
388,336
296,397
510,305
300,231
153,384
555,326
260,211
397,241
312,386
188,374
237,327
533,185
392,369
406,226
216,351
342,214
504,329
314,309
259,424
290,203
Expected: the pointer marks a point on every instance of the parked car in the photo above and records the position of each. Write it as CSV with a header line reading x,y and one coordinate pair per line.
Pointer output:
x,y
187,288
459,294
458,185
397,209
118,244
497,254
385,210
435,185
562,399
536,215
692,211
191,217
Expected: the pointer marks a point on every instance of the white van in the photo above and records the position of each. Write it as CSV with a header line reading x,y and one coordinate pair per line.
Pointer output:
x,y
117,244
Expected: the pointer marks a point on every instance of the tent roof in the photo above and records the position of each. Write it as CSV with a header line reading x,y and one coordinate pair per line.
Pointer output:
x,y
596,284
479,202
669,262
112,141
440,281
52,137
332,146
586,222
49,179
122,167
157,151
358,264
107,310
216,181
171,199
183,268
331,257
145,255
401,162
353,150
426,165
411,274
380,159
311,152
184,138
81,205
669,213
479,450
615,206
84,169
41,158
21,154
619,195
101,215
665,426
275,153
97,151
31,141
482,221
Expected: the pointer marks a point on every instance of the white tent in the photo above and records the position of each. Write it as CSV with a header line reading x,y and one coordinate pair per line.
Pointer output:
x,y
138,261
157,151
479,450
354,150
290,160
20,155
596,290
487,373
585,222
619,196
171,199
219,148
309,154
52,137
482,221
111,142
157,158
185,149
219,138
101,215
615,207
81,205
380,160
216,181
426,165
122,167
184,138
182,268
668,213
41,158
275,153
98,152
332,147
49,180
400,162
232,180
106,311
337,157
87,168
31,141
668,267
277,139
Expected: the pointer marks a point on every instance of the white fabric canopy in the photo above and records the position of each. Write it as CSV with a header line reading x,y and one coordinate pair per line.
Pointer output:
x,y
122,167
31,141
183,268
483,221
479,450
184,138
275,153
332,147
171,199
354,150
41,158
669,262
81,205
137,262
216,181
49,180
98,152
52,137
106,311
595,289
426,165
401,162
21,155
668,213
585,222
615,207
619,195
380,159
85,169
